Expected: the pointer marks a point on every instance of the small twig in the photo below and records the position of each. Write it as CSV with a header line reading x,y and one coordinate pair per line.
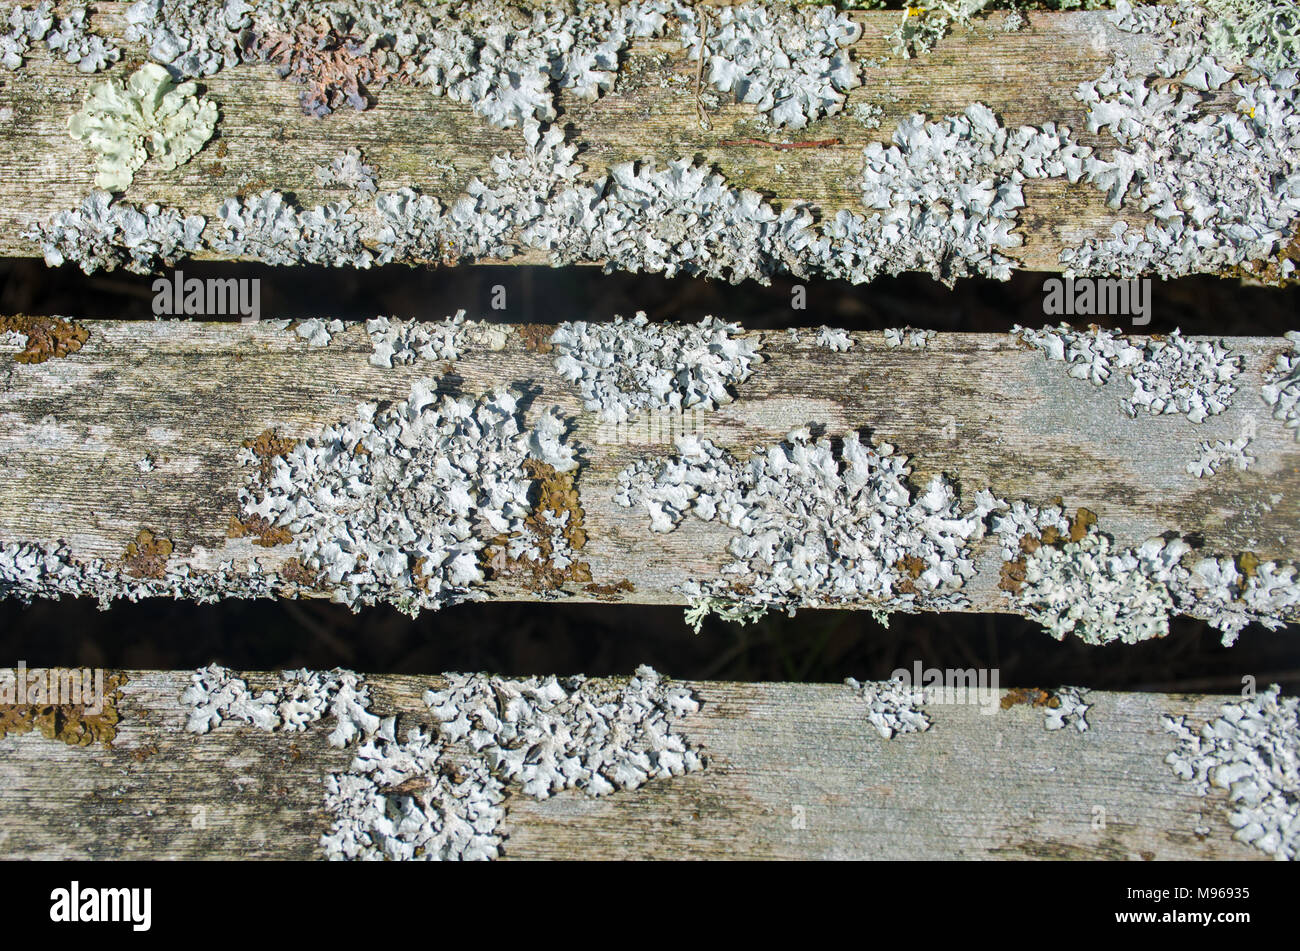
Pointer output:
x,y
811,144
705,124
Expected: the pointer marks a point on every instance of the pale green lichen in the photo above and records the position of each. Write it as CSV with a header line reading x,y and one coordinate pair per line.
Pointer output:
x,y
728,609
148,115
1266,31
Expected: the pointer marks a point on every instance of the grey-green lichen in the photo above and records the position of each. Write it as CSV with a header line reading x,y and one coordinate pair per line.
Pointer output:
x,y
398,504
1265,31
814,525
67,35
1169,374
629,366
1252,751
922,26
147,116
1073,579
439,793
1281,388
103,235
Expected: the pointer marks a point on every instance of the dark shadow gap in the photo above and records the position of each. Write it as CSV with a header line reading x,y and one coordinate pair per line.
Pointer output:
x,y
528,638
534,294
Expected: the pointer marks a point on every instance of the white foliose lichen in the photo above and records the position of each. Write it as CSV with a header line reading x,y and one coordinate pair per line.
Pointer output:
x,y
347,170
399,342
1080,583
317,331
1069,711
1252,750
68,36
626,366
1170,374
815,526
301,697
404,800
103,235
1263,31
396,505
147,116
506,62
439,795
922,27
31,570
908,337
72,39
1281,389
893,707
271,229
191,39
409,228
548,735
834,339
26,28
215,695
945,197
1100,594
1223,186
791,63
684,218
1219,453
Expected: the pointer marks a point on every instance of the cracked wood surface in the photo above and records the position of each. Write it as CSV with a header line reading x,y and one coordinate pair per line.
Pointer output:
x,y
793,771
417,139
982,408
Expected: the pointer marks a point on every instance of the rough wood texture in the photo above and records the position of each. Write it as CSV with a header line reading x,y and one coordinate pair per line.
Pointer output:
x,y
264,141
980,407
794,771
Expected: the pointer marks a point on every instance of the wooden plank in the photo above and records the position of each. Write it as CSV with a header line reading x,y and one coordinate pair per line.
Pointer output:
x,y
981,408
793,771
436,145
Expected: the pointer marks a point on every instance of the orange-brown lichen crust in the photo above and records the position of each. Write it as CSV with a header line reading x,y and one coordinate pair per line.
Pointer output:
x,y
47,337
557,497
265,447
610,592
146,556
536,337
68,722
260,530
1033,696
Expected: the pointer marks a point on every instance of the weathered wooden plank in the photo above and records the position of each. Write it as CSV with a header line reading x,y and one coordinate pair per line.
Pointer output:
x,y
436,145
983,409
793,771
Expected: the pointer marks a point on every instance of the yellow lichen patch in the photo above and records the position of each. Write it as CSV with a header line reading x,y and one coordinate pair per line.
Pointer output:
x,y
77,724
1247,564
557,495
1034,696
47,337
146,557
